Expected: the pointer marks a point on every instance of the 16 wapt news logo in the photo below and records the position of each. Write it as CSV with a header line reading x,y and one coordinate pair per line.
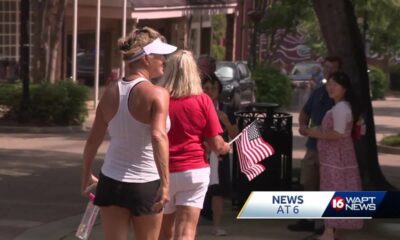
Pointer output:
x,y
354,203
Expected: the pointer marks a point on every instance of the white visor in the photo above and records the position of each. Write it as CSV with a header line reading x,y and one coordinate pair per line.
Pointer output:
x,y
159,47
155,47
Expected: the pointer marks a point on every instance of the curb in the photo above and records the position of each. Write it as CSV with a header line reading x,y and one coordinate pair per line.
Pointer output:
x,y
66,129
388,149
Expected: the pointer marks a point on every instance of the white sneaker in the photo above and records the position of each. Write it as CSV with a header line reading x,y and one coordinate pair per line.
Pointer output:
x,y
220,232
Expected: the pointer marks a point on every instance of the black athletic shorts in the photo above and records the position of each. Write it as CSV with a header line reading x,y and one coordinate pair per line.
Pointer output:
x,y
137,197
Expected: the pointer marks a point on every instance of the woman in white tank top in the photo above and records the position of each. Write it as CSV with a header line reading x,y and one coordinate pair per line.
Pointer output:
x,y
133,186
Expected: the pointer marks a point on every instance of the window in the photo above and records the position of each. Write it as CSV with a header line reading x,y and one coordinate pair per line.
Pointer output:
x,y
9,30
242,71
9,39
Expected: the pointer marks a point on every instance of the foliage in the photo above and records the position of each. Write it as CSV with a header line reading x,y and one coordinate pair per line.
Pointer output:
x,y
383,17
218,23
309,27
394,72
272,85
392,140
379,82
63,103
287,16
217,52
9,92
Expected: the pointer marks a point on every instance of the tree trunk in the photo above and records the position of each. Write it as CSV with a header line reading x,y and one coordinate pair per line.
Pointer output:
x,y
58,19
343,38
38,52
48,18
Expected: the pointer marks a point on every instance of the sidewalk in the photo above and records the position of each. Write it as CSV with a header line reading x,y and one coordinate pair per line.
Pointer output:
x,y
237,230
64,152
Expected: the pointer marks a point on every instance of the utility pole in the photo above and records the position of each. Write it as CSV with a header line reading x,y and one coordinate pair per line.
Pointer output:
x,y
255,16
24,59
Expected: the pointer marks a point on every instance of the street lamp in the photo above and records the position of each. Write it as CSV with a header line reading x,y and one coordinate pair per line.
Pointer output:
x,y
255,16
24,58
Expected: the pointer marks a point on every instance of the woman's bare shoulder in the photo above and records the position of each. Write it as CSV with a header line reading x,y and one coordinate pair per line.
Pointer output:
x,y
109,96
155,92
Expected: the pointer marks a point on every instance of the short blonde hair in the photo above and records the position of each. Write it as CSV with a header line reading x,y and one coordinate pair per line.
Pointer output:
x,y
134,42
181,77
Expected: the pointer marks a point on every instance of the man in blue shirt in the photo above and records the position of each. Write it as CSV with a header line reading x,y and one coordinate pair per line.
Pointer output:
x,y
311,115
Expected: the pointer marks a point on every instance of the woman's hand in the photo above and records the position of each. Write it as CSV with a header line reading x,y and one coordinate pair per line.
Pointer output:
x,y
312,132
88,185
302,130
161,199
227,148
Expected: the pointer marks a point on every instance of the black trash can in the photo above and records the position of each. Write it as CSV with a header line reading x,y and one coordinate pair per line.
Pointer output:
x,y
276,128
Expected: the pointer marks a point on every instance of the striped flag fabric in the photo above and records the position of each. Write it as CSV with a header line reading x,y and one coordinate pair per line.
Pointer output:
x,y
252,149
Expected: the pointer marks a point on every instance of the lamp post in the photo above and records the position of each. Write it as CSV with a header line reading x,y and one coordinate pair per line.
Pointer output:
x,y
24,58
255,16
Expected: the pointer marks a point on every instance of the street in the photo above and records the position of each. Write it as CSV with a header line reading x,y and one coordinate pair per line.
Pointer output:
x,y
40,176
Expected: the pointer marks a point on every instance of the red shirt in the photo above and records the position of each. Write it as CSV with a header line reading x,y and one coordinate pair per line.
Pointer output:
x,y
193,119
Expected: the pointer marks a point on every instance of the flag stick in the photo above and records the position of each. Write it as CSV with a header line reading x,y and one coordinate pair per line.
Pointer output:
x,y
240,134
233,140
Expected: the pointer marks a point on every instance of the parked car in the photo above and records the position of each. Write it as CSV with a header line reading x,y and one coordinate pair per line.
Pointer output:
x,y
303,72
85,69
238,88
301,76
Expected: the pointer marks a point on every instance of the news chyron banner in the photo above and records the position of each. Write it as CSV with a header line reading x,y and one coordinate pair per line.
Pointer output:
x,y
324,205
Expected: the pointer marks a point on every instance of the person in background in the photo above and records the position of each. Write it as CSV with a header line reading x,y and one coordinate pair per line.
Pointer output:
x,y
337,157
194,121
219,177
311,115
317,78
133,185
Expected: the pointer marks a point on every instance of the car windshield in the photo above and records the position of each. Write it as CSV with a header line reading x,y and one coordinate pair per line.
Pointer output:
x,y
306,69
225,72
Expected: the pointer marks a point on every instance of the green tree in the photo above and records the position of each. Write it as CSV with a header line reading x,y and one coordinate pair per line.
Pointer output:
x,y
48,19
218,26
378,20
272,85
343,38
285,16
309,27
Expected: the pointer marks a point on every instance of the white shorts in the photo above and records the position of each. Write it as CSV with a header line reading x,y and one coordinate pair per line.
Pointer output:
x,y
187,188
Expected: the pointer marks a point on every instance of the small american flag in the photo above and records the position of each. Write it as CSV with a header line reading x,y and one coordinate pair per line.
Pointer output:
x,y
252,149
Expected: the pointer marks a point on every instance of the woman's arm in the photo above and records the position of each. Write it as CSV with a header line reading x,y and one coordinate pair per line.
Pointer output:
x,y
159,137
92,145
341,115
304,120
231,128
319,134
218,145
